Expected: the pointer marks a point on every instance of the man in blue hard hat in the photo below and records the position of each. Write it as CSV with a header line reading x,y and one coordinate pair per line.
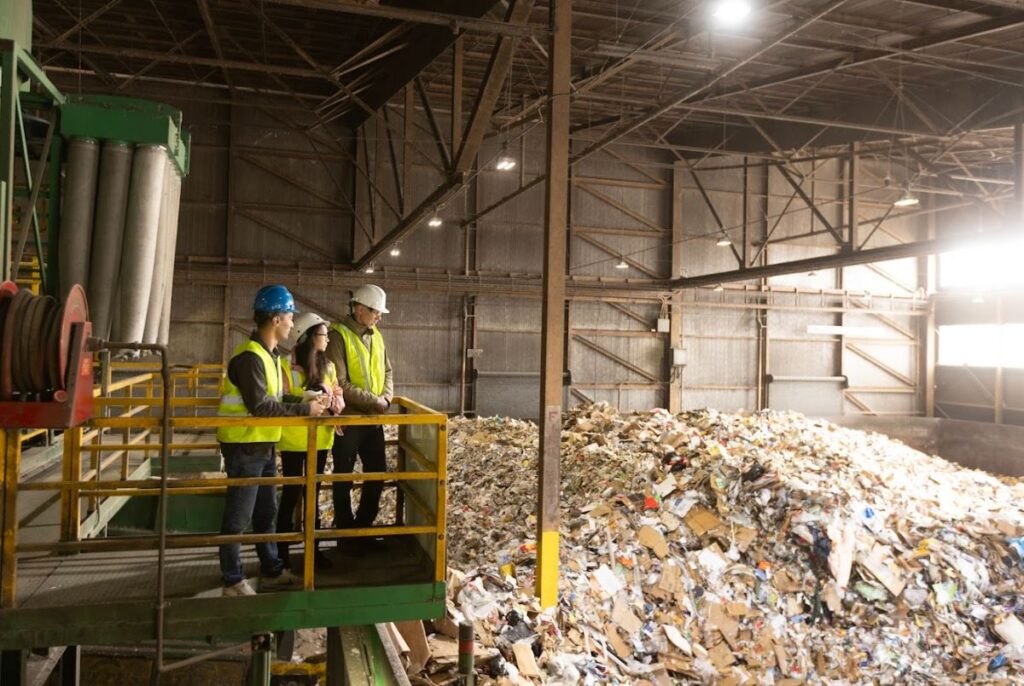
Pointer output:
x,y
253,387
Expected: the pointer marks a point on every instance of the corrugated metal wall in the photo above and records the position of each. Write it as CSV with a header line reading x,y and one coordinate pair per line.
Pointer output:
x,y
268,189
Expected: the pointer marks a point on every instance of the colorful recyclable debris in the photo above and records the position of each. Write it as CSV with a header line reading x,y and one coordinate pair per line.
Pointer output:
x,y
731,549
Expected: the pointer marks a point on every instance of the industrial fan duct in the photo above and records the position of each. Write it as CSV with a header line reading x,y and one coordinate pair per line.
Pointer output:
x,y
77,214
163,266
141,236
119,215
108,233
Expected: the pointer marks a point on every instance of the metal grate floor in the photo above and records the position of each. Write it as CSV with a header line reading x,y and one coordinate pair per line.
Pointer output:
x,y
96,578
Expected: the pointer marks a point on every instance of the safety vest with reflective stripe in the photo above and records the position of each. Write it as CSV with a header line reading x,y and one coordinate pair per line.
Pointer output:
x,y
232,405
365,367
293,438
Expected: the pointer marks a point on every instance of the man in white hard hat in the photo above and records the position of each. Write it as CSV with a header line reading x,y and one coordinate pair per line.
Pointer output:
x,y
357,350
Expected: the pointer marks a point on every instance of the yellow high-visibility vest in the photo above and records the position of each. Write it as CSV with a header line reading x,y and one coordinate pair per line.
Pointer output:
x,y
365,367
232,405
293,438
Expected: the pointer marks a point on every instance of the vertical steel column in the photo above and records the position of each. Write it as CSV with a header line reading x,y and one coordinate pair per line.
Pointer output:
x,y
1018,174
675,312
999,393
70,666
70,508
553,314
408,132
456,120
8,103
761,315
311,511
53,195
13,667
852,206
10,461
926,330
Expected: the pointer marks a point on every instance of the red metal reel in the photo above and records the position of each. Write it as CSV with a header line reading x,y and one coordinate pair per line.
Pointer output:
x,y
23,346
8,290
10,338
37,354
76,310
51,350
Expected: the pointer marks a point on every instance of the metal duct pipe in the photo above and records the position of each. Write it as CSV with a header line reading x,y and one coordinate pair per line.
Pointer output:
x,y
156,291
77,213
108,234
172,248
142,223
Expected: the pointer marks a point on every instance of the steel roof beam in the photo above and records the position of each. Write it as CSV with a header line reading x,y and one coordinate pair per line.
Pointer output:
x,y
456,22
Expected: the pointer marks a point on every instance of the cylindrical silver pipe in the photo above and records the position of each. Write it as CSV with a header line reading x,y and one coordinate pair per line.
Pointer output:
x,y
142,223
77,213
156,292
108,233
172,247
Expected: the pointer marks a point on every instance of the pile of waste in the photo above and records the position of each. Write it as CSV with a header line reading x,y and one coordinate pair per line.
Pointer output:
x,y
731,549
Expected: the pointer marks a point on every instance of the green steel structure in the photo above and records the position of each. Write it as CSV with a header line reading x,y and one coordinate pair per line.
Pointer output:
x,y
30,188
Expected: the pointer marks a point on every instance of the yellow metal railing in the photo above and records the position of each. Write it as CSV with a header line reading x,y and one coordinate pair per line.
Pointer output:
x,y
128,412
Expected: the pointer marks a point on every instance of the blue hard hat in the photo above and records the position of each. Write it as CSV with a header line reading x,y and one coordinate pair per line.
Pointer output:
x,y
274,298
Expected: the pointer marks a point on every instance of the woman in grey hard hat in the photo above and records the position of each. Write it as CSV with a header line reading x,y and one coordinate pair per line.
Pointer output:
x,y
357,349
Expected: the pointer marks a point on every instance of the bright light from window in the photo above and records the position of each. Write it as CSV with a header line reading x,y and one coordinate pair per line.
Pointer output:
x,y
982,345
984,268
730,12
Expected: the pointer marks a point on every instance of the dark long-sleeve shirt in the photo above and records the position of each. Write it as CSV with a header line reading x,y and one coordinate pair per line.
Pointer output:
x,y
357,399
247,372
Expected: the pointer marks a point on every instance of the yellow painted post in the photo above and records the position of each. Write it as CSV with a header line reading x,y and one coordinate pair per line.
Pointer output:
x,y
10,463
70,519
440,561
402,464
311,511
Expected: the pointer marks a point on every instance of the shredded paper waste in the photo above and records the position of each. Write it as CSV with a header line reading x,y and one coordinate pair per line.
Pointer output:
x,y
730,549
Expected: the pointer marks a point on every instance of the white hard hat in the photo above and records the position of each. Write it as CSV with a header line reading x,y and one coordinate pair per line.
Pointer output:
x,y
371,296
306,321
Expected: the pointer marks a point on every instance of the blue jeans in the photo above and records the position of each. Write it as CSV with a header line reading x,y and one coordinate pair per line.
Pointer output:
x,y
245,505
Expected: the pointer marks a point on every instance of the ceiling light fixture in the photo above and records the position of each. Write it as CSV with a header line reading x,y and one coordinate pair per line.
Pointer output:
x,y
505,163
719,288
622,264
435,221
396,251
724,242
908,199
369,269
730,12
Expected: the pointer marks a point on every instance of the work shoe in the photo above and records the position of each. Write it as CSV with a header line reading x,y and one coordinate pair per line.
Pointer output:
x,y
285,581
241,588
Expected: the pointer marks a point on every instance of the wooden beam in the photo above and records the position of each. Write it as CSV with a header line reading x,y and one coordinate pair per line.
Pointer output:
x,y
435,128
556,223
490,89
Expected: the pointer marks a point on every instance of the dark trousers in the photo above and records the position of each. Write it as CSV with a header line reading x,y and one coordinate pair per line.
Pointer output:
x,y
294,464
366,442
245,505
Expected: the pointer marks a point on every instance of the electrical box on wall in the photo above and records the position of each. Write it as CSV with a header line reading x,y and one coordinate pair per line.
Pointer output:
x,y
663,324
678,357
473,353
